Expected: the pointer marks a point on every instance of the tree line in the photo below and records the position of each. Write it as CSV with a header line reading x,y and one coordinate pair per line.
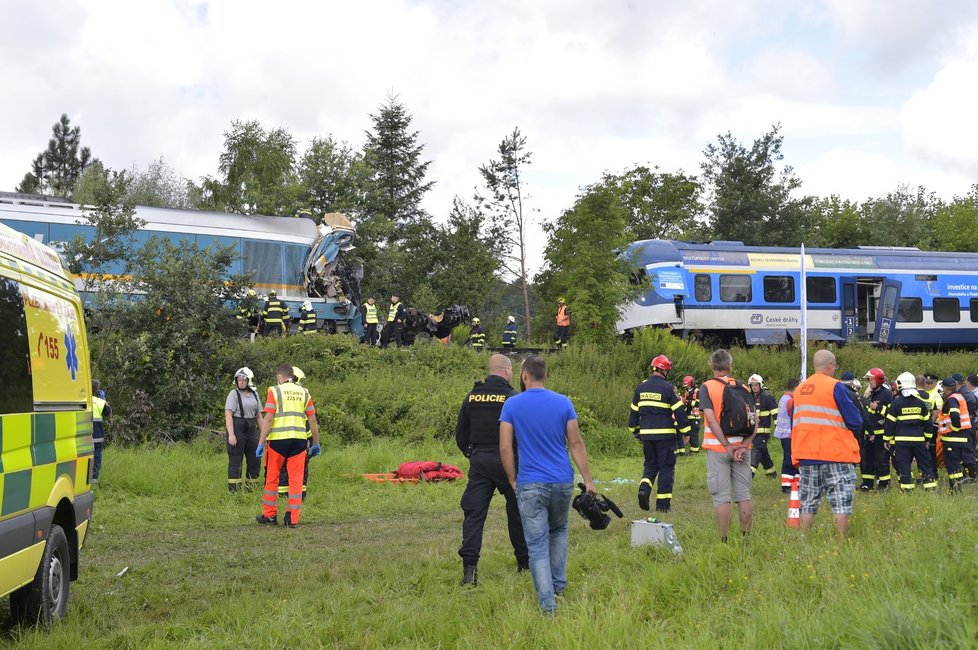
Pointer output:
x,y
476,254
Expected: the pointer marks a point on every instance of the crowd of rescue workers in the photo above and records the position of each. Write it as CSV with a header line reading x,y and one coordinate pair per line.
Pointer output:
x,y
827,428
269,315
838,437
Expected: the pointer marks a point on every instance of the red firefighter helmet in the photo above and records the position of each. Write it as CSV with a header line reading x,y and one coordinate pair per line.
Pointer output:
x,y
876,375
688,380
662,363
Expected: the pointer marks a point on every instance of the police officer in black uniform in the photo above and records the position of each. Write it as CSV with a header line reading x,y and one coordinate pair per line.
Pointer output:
x,y
477,436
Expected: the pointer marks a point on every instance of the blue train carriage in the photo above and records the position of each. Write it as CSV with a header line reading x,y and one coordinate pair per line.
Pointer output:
x,y
890,296
278,251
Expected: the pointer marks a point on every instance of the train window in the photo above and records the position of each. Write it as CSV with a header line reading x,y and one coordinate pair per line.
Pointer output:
x,y
947,310
779,288
735,288
820,289
974,310
18,393
703,289
910,311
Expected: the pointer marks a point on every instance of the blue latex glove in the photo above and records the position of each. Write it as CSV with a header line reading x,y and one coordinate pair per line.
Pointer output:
x,y
314,450
260,451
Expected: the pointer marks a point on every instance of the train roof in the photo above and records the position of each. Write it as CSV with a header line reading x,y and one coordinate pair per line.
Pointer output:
x,y
57,210
735,253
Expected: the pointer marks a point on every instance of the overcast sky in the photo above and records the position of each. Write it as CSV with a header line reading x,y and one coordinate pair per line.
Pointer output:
x,y
870,93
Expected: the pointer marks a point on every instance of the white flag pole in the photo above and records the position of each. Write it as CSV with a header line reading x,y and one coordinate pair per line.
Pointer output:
x,y
803,320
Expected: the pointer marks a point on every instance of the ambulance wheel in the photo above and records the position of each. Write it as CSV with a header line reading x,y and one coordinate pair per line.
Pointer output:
x,y
45,599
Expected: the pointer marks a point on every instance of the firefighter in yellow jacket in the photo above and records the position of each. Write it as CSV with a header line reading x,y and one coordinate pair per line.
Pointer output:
x,y
287,409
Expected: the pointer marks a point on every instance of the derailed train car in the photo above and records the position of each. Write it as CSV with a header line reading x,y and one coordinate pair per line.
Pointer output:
x,y
296,257
889,296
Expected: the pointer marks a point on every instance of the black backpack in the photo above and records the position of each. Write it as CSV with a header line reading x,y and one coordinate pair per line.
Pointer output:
x,y
737,415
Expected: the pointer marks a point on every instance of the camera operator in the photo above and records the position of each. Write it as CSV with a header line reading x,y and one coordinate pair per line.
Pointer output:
x,y
477,436
544,424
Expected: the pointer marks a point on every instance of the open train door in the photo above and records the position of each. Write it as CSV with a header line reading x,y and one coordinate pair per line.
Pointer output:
x,y
886,314
850,318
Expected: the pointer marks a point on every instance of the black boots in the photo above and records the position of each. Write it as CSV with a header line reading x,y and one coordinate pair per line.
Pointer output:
x,y
470,575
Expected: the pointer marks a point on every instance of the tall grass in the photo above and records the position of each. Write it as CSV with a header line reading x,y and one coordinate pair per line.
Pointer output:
x,y
375,566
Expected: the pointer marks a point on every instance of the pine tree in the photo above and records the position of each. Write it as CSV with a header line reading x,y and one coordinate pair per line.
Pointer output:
x,y
56,170
393,155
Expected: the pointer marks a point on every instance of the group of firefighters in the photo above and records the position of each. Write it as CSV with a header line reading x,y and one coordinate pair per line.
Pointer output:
x,y
915,420
477,335
270,316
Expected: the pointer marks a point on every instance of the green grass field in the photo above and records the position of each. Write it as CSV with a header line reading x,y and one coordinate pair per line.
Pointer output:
x,y
376,566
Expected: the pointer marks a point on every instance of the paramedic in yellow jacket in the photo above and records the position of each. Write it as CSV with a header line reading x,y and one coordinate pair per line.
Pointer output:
x,y
287,409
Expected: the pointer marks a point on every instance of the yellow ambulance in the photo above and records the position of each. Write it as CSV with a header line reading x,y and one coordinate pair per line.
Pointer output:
x,y
46,447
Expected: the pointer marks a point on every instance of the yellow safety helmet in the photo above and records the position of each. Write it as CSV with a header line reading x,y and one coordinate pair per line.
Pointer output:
x,y
297,374
475,321
251,293
561,301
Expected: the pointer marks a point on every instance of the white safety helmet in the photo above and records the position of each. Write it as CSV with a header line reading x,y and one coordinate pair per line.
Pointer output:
x,y
245,372
512,319
856,384
756,379
907,384
307,306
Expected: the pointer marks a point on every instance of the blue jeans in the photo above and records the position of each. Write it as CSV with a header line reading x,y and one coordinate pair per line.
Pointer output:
x,y
544,508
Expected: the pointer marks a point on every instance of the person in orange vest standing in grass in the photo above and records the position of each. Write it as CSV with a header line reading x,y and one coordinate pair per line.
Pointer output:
x,y
823,443
287,409
727,445
563,323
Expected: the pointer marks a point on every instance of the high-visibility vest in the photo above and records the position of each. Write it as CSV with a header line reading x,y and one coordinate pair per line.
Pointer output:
x,y
956,404
563,319
715,391
392,312
370,312
98,410
289,420
819,431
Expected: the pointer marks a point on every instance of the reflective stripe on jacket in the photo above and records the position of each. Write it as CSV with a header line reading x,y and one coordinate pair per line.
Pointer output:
x,y
715,391
819,431
289,419
907,420
563,318
656,410
370,314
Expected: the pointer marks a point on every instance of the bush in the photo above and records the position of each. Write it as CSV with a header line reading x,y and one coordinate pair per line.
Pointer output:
x,y
413,394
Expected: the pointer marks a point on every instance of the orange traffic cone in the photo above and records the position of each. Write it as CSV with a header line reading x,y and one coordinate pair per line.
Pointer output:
x,y
794,505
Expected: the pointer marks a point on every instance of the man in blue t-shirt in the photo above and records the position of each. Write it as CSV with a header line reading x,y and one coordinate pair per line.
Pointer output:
x,y
544,426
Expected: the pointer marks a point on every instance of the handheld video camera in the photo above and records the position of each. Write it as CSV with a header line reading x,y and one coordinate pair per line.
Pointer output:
x,y
594,508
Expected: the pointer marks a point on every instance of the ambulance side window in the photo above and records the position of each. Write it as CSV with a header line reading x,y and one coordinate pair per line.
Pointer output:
x,y
16,391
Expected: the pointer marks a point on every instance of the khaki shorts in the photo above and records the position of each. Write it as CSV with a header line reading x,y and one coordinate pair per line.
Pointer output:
x,y
722,474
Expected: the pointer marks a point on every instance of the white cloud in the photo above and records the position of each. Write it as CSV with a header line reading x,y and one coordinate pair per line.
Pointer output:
x,y
858,175
939,120
594,87
899,33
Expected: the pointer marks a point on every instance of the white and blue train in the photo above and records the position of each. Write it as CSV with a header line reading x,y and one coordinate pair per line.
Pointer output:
x,y
890,296
297,258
